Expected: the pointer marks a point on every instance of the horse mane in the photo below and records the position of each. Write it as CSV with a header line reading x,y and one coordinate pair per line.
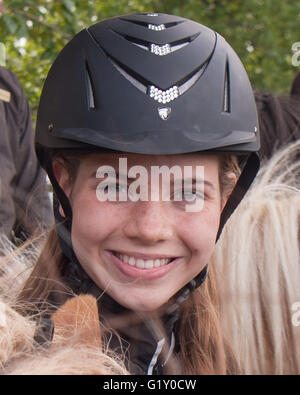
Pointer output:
x,y
258,269
76,347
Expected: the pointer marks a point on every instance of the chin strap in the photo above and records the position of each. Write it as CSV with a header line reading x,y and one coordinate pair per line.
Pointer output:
x,y
244,182
184,292
72,269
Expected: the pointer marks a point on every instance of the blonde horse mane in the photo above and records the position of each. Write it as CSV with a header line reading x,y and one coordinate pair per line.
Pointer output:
x,y
76,347
257,261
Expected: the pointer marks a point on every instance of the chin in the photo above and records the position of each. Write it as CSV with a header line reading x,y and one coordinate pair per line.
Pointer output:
x,y
141,306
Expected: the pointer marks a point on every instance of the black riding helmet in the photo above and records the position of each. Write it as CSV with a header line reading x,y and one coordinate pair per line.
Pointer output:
x,y
148,84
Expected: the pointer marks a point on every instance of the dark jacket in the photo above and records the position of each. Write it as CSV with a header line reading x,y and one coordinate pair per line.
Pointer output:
x,y
25,206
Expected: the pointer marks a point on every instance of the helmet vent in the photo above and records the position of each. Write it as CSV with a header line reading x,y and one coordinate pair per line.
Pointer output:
x,y
161,96
130,76
226,96
153,26
192,78
90,91
175,91
156,49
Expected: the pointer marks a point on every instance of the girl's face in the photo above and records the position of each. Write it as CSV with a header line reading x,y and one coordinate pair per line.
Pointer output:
x,y
143,252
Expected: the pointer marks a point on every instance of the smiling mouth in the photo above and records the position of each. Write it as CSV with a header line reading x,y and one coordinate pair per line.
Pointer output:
x,y
143,263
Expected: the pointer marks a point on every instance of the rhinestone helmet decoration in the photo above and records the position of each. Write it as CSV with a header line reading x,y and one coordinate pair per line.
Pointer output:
x,y
148,84
134,82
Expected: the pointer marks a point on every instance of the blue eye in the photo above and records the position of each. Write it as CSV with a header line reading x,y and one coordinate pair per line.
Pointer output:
x,y
112,192
187,196
192,196
121,188
113,187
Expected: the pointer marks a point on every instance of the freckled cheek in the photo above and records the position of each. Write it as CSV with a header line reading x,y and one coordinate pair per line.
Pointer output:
x,y
200,234
93,222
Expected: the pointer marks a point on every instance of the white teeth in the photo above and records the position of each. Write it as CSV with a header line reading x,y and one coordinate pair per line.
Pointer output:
x,y
141,263
157,263
131,261
149,264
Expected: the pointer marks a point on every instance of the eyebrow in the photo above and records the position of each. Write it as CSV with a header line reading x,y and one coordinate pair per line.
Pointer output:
x,y
94,173
192,180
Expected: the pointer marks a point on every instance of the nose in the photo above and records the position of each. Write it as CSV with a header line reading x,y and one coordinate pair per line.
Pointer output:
x,y
149,222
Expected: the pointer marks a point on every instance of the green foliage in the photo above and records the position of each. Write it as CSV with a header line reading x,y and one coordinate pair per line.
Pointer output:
x,y
261,31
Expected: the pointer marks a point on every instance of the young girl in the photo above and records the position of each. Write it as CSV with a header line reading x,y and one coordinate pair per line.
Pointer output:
x,y
125,97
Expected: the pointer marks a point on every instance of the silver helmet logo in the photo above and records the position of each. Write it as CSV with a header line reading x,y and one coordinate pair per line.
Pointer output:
x,y
164,113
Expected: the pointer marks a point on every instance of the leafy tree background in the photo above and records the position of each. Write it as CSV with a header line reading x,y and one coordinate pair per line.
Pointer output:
x,y
261,31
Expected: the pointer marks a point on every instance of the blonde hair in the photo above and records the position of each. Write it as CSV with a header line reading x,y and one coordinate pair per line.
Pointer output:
x,y
76,346
20,355
203,349
257,264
